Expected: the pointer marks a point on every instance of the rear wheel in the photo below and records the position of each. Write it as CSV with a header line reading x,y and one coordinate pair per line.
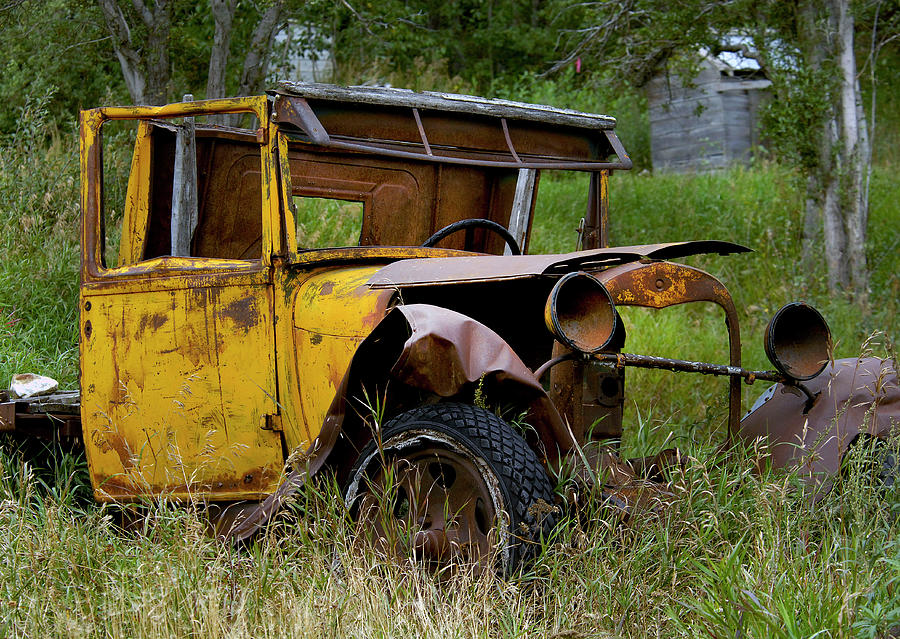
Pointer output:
x,y
874,460
452,483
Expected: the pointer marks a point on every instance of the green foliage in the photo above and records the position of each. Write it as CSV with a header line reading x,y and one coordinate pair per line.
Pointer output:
x,y
482,42
323,223
56,47
39,219
791,120
886,135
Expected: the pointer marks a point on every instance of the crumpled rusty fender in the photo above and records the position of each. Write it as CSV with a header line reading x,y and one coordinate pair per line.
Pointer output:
x,y
447,351
854,396
433,349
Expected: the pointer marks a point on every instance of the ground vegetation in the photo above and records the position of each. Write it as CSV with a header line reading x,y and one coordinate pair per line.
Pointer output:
x,y
737,554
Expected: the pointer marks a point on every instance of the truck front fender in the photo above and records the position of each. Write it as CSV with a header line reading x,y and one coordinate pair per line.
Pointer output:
x,y
852,397
418,353
424,353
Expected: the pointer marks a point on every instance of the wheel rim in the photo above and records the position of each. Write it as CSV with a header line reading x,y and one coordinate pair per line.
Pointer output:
x,y
432,503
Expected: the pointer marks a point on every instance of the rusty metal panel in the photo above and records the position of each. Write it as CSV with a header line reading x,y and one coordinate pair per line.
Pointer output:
x,y
425,272
177,383
463,131
590,395
384,188
663,284
230,223
429,196
852,396
7,417
325,316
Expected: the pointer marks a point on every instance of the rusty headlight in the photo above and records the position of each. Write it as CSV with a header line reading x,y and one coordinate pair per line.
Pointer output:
x,y
798,341
580,313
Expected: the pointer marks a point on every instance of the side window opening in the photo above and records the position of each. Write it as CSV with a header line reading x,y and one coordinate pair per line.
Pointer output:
x,y
118,142
220,218
324,222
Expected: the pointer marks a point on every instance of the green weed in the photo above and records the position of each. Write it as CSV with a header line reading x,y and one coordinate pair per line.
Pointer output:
x,y
736,554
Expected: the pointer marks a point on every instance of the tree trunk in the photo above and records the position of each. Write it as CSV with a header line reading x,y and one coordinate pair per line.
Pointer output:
x,y
145,67
256,63
854,200
836,183
835,235
158,23
129,58
223,16
811,234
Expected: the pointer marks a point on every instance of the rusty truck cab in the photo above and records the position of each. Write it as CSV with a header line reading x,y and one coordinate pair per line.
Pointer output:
x,y
198,337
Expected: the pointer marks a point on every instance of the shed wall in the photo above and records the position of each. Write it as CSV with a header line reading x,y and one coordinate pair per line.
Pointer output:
x,y
707,124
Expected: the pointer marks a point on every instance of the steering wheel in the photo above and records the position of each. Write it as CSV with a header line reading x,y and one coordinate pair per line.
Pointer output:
x,y
470,223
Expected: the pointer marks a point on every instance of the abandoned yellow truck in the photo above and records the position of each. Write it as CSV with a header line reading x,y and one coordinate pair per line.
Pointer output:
x,y
228,354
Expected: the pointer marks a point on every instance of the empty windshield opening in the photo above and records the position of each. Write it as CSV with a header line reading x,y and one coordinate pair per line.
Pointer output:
x,y
118,142
560,204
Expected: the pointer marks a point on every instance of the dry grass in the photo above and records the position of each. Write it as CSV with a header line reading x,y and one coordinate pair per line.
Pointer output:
x,y
737,555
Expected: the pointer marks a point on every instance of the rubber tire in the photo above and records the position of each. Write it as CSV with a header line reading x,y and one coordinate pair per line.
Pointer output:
x,y
524,484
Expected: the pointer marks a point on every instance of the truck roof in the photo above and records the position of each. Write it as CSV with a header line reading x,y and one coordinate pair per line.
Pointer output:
x,y
449,102
447,128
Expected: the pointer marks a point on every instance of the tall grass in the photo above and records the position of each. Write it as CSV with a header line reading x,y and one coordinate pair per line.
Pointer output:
x,y
39,221
735,553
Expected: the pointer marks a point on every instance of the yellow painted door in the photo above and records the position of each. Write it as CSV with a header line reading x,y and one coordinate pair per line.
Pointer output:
x,y
178,376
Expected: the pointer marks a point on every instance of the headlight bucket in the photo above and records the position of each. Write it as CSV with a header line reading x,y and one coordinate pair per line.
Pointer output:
x,y
580,313
798,341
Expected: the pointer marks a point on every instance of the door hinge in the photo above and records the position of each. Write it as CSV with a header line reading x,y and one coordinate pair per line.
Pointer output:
x,y
272,422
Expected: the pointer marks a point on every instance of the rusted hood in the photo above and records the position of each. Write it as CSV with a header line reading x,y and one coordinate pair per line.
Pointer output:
x,y
853,396
452,270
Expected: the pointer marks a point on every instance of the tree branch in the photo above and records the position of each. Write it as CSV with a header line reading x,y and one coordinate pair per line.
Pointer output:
x,y
256,62
144,12
12,5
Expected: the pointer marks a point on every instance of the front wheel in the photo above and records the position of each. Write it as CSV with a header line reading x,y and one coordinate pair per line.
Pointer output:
x,y
452,483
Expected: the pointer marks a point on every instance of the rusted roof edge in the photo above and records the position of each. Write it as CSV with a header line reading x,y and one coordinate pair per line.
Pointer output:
x,y
430,100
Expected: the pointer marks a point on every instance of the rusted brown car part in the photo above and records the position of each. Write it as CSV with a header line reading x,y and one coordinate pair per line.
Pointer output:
x,y
50,417
852,397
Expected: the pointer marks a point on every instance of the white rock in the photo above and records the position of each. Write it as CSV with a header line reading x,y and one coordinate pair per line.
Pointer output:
x,y
26,385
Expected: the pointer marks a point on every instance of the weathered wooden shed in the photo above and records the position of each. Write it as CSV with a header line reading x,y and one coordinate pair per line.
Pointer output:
x,y
710,122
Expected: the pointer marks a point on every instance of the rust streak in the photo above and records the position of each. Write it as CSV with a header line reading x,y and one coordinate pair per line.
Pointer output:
x,y
242,312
